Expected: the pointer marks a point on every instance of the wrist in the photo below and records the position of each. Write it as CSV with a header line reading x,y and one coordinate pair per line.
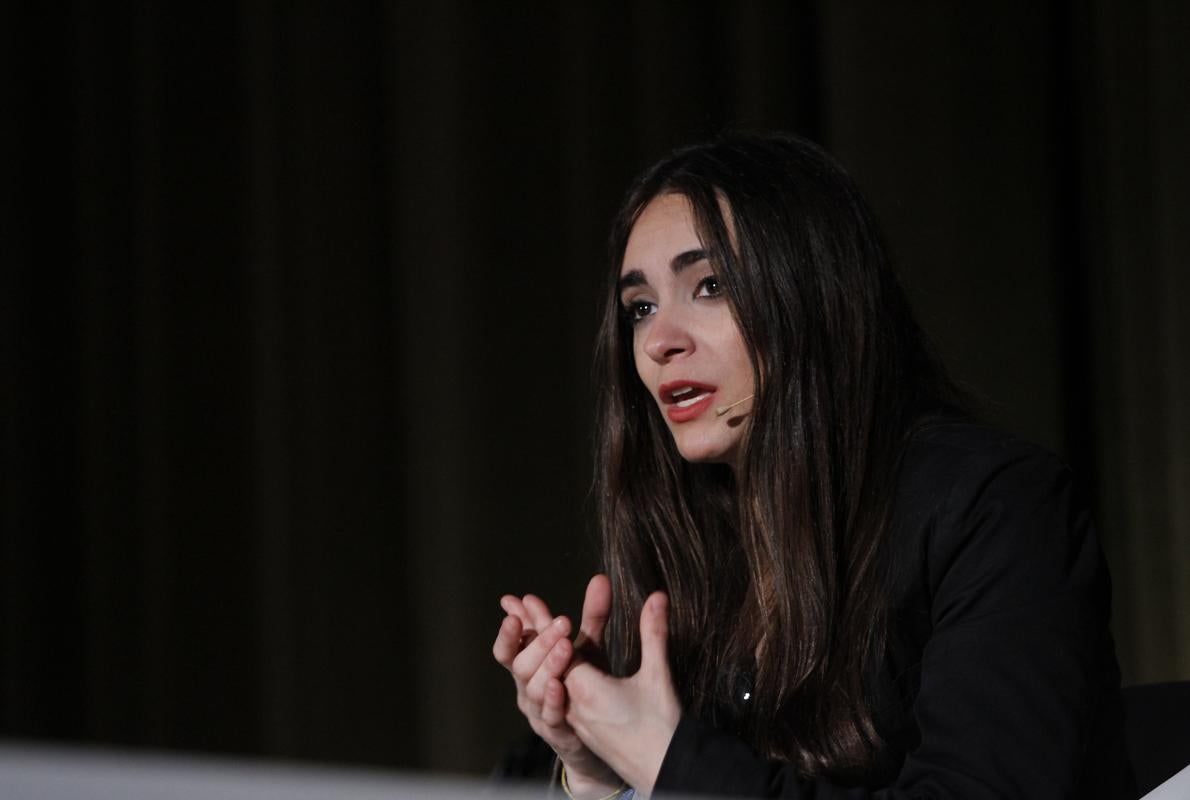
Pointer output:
x,y
578,786
641,768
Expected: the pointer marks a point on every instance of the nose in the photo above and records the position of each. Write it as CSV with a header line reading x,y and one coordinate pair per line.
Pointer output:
x,y
668,337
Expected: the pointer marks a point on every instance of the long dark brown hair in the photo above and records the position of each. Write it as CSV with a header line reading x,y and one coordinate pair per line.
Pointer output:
x,y
776,572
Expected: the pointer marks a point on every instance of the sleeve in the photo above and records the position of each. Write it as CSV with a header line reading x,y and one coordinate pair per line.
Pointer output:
x,y
1013,671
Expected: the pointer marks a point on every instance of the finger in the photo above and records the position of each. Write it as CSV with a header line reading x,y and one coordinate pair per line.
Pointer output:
x,y
528,661
553,707
508,641
596,607
654,634
586,685
551,668
513,606
539,612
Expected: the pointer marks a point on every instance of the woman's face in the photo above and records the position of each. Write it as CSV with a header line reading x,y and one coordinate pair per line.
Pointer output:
x,y
688,349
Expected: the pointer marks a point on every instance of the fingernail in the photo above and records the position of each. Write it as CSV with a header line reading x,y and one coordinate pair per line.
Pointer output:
x,y
559,622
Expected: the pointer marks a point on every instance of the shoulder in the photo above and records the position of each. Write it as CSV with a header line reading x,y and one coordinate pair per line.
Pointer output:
x,y
965,455
984,511
947,467
999,630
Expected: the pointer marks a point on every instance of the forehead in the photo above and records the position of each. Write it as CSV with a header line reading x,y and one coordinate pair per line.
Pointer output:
x,y
664,228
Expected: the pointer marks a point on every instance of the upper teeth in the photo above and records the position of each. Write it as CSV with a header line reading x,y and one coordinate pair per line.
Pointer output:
x,y
687,396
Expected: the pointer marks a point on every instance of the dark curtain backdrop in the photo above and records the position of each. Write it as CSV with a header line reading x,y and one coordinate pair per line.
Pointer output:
x,y
297,304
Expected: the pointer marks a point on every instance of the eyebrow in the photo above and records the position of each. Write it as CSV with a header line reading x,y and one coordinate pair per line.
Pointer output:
x,y
677,264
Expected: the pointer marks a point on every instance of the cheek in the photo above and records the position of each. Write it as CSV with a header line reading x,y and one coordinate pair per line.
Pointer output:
x,y
641,362
734,348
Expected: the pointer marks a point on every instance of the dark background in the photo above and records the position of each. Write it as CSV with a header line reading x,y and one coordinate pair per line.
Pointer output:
x,y
297,302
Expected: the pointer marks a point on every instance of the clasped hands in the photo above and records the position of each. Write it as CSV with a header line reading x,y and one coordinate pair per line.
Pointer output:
x,y
606,730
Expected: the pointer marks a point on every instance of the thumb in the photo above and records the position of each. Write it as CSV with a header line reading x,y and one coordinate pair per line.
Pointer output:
x,y
596,608
654,634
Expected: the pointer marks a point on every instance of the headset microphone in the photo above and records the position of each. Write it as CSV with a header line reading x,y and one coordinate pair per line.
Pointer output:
x,y
721,410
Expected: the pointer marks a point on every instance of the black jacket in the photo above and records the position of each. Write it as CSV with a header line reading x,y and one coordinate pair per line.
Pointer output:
x,y
1000,677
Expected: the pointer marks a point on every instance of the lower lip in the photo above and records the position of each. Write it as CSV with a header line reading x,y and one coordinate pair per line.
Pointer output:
x,y
679,414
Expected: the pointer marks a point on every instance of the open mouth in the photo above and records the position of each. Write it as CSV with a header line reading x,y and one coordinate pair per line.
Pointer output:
x,y
688,396
686,400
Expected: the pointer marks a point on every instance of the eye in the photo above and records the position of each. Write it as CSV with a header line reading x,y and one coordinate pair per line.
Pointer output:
x,y
637,310
709,287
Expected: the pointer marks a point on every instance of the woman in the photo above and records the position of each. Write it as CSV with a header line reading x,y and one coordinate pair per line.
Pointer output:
x,y
821,580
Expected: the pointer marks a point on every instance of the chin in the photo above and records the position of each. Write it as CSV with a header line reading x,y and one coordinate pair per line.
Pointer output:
x,y
708,452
